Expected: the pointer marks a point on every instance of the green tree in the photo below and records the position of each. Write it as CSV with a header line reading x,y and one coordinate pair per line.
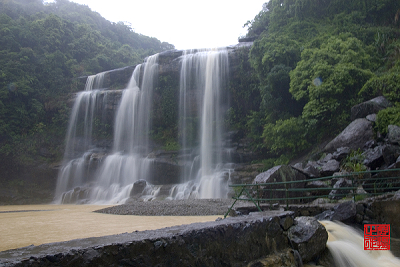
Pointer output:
x,y
329,78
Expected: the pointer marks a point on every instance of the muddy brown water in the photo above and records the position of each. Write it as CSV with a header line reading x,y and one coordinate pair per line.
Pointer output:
x,y
26,225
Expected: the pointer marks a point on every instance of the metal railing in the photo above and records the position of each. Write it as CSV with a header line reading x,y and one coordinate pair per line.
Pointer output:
x,y
373,183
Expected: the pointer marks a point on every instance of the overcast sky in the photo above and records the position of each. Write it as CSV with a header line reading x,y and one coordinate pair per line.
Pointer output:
x,y
183,23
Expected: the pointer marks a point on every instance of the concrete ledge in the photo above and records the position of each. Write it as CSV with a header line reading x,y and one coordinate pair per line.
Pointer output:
x,y
235,241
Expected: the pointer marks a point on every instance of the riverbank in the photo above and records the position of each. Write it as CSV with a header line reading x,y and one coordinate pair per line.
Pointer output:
x,y
184,207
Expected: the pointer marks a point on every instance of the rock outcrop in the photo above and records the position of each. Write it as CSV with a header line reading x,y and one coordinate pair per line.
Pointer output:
x,y
372,106
308,237
343,212
282,173
353,136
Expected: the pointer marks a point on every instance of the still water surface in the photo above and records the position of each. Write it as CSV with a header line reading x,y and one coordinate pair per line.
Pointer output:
x,y
26,225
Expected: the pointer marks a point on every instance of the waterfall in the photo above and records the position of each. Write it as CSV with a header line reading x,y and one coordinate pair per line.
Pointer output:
x,y
346,245
76,161
202,105
100,175
87,175
128,161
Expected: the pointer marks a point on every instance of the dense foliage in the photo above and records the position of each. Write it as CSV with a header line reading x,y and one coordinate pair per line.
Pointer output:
x,y
44,48
314,60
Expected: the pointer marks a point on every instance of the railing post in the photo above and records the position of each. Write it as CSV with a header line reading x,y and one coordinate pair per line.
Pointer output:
x,y
287,197
354,190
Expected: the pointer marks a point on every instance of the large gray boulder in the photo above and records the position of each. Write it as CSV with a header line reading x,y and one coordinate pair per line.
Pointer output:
x,y
354,136
390,154
394,134
138,187
281,173
373,157
311,169
341,153
369,107
330,167
344,212
308,237
338,192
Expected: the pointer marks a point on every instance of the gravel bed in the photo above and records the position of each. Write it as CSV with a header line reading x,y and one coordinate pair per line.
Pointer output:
x,y
187,207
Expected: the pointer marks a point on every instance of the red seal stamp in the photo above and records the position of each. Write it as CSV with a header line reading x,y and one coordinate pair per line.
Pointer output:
x,y
376,236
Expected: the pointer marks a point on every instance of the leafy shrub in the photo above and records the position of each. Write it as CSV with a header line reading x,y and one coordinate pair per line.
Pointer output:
x,y
285,136
386,117
387,85
354,162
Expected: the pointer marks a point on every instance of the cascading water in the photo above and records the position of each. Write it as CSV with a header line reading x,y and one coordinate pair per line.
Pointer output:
x,y
92,175
111,179
79,136
346,245
128,162
202,105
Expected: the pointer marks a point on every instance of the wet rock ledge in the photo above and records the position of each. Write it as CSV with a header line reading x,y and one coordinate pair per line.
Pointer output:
x,y
258,239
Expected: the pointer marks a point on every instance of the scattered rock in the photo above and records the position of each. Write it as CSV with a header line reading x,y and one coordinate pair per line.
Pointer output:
x,y
394,134
337,192
354,136
343,212
138,187
288,258
371,117
373,157
330,167
369,107
308,237
286,222
280,173
390,154
341,153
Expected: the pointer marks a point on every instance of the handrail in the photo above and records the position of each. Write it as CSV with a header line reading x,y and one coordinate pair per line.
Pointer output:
x,y
376,186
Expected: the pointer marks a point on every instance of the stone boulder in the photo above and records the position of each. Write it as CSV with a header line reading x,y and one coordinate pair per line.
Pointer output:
x,y
138,187
371,117
390,154
330,167
369,107
344,212
341,153
354,136
338,192
373,158
281,173
310,170
394,134
308,237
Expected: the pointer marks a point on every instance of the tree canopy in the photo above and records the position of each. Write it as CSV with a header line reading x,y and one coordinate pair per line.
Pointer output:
x,y
314,59
44,48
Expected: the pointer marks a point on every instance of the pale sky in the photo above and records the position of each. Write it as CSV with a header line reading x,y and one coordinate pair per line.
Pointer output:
x,y
184,23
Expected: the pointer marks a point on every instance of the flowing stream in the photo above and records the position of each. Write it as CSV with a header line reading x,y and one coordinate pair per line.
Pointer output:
x,y
346,245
